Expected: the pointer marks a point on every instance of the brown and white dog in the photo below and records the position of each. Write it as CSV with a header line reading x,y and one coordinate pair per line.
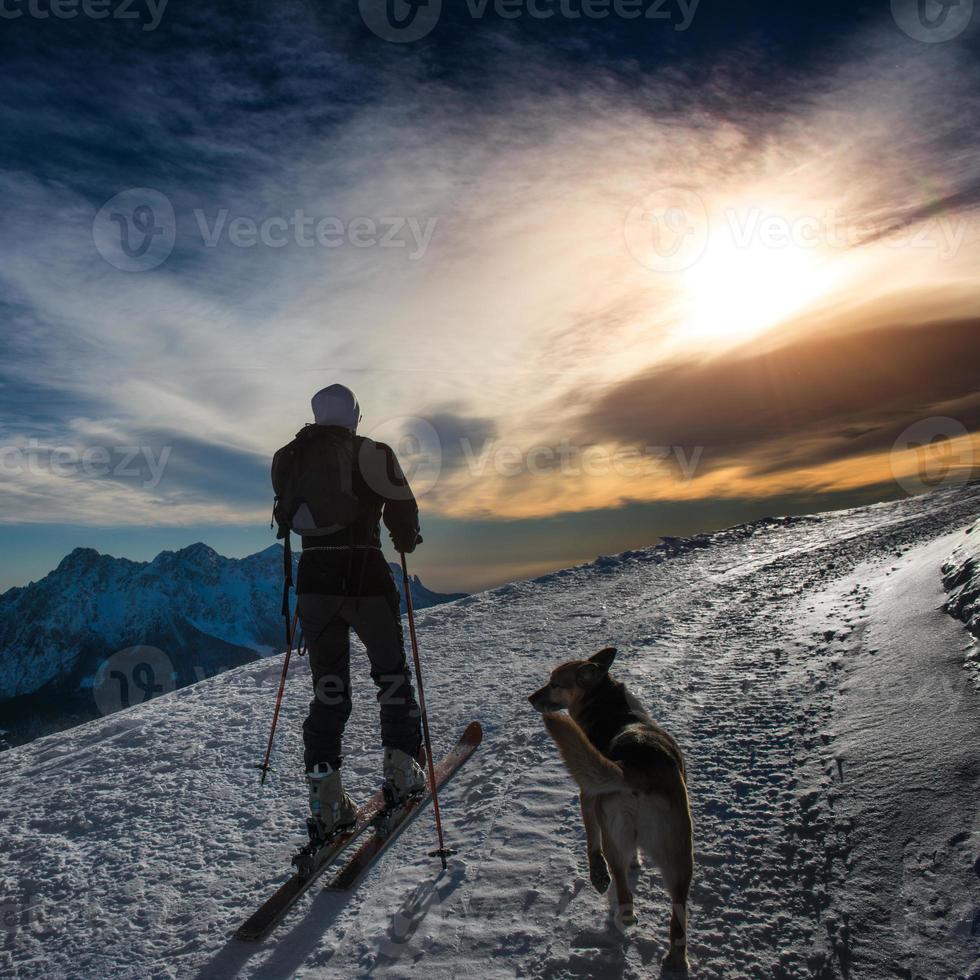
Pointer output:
x,y
633,785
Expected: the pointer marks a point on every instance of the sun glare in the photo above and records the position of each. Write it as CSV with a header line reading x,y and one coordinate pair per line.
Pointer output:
x,y
738,290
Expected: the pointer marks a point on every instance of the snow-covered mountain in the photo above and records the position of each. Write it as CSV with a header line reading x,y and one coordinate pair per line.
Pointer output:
x,y
422,598
806,667
193,612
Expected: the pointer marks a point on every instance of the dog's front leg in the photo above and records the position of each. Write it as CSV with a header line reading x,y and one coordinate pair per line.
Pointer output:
x,y
598,871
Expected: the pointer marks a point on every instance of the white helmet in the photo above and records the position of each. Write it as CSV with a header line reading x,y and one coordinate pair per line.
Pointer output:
x,y
336,405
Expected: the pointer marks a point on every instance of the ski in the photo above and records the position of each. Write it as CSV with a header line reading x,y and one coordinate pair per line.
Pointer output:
x,y
310,865
373,813
390,823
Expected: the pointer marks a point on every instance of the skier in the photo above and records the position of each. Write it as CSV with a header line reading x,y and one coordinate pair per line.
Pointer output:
x,y
333,488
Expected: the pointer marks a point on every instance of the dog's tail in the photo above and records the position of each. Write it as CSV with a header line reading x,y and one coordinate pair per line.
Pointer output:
x,y
590,768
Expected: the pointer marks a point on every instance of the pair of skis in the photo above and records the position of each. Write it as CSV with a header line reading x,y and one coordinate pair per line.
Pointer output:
x,y
384,822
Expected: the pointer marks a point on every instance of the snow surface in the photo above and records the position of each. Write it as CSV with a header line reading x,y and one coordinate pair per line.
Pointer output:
x,y
804,664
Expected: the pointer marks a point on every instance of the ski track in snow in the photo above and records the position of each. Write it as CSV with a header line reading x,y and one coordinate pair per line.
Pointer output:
x,y
136,844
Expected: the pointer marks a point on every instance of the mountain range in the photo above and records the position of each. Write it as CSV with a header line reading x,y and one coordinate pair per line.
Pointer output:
x,y
98,633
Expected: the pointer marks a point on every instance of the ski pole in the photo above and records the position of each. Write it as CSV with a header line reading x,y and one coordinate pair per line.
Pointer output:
x,y
442,853
282,686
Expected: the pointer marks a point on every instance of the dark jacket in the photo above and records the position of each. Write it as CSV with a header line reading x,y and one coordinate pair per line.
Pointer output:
x,y
350,562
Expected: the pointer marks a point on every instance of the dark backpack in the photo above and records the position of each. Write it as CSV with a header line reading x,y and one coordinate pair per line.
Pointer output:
x,y
313,479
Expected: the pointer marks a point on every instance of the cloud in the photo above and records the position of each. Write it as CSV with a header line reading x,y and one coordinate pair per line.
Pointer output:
x,y
810,401
526,305
460,435
101,471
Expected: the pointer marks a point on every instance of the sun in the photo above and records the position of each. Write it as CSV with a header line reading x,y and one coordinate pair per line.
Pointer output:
x,y
739,289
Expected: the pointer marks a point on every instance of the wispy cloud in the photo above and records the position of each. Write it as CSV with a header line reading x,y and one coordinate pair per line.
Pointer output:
x,y
525,305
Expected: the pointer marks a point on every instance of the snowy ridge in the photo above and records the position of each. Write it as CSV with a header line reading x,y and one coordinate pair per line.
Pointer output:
x,y
961,579
802,665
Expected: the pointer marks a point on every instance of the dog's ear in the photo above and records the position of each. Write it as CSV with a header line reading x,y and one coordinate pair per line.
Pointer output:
x,y
604,658
596,667
589,674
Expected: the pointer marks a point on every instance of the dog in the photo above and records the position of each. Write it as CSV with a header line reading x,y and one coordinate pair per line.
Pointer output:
x,y
633,786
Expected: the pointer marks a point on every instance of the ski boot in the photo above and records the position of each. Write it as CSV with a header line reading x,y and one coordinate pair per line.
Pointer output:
x,y
403,777
331,811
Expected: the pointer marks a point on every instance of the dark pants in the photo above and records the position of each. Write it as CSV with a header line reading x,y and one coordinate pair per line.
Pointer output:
x,y
327,621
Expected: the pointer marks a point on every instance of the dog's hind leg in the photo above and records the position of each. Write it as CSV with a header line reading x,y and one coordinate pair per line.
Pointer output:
x,y
618,847
665,837
676,958
677,879
598,872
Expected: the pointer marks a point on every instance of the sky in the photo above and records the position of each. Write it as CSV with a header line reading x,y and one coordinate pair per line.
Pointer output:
x,y
597,277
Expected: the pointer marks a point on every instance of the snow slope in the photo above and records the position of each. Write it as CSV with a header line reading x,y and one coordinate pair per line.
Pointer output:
x,y
805,665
